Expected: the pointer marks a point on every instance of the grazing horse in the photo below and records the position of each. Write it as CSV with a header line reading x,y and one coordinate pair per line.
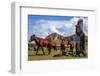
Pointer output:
x,y
70,46
62,47
41,43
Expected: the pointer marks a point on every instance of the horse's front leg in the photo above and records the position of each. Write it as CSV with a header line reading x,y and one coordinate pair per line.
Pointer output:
x,y
63,52
49,49
43,51
55,48
37,50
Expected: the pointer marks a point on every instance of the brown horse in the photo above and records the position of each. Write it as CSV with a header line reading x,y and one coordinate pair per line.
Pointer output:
x,y
70,45
62,47
41,43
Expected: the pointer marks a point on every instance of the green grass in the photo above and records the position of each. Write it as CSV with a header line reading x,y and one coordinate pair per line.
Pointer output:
x,y
53,55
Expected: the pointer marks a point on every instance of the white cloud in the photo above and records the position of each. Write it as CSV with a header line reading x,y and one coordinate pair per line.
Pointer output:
x,y
85,27
46,27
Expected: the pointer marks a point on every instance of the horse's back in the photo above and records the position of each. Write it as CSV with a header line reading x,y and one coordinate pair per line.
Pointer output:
x,y
45,42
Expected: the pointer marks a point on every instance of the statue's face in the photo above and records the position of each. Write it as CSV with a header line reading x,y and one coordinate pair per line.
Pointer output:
x,y
80,22
78,29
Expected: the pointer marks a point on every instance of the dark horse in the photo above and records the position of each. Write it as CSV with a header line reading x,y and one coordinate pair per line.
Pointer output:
x,y
42,43
70,45
62,47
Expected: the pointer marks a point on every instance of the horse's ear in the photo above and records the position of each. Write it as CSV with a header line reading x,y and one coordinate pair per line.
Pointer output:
x,y
33,35
62,39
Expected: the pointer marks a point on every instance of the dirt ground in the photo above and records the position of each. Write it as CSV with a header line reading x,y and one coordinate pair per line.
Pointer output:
x,y
49,57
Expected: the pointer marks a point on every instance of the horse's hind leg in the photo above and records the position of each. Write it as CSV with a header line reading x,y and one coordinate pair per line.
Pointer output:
x,y
72,52
43,51
49,50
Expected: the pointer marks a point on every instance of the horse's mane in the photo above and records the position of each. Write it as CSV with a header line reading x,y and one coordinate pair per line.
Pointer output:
x,y
43,38
39,37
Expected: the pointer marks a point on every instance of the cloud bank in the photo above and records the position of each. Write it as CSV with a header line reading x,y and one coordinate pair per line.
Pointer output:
x,y
42,28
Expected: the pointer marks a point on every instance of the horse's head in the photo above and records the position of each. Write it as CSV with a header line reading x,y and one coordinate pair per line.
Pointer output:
x,y
32,38
62,39
68,42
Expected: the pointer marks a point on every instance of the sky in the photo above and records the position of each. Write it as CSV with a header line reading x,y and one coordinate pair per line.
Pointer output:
x,y
43,25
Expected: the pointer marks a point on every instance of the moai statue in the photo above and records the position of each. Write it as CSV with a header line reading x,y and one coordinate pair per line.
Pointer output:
x,y
80,24
80,38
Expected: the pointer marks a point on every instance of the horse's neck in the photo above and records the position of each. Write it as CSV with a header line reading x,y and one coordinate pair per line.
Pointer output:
x,y
62,42
37,40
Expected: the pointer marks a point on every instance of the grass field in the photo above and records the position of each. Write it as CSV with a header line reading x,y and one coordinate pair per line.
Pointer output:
x,y
54,55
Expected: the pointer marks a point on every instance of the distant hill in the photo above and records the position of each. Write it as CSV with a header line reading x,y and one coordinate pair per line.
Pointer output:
x,y
72,37
56,36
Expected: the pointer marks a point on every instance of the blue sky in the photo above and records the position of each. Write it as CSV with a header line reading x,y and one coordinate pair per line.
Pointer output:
x,y
42,25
